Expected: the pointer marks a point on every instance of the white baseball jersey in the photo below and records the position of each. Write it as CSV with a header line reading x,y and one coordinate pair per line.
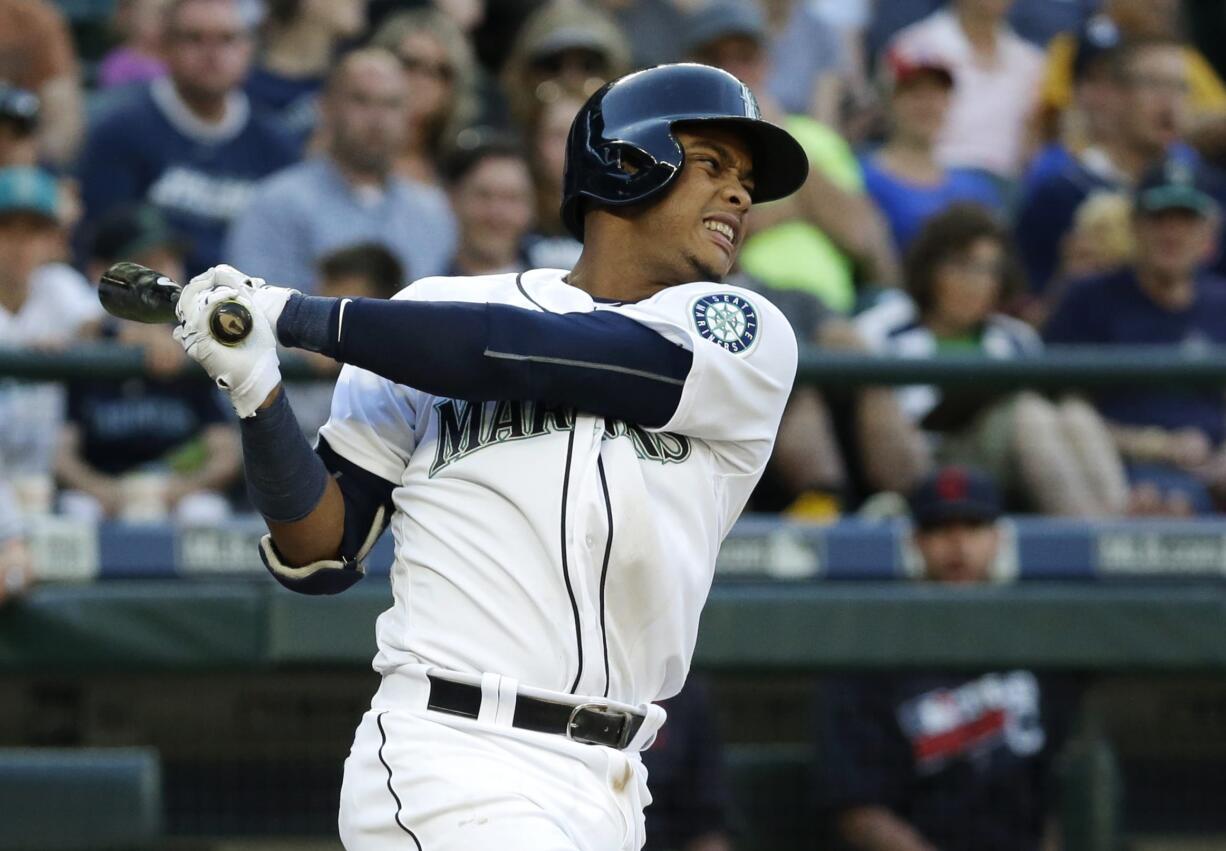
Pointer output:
x,y
569,552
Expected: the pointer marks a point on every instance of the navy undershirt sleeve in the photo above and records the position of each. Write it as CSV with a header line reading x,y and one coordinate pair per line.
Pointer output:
x,y
602,363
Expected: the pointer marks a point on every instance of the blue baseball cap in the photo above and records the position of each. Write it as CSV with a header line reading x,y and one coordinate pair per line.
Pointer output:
x,y
954,494
29,190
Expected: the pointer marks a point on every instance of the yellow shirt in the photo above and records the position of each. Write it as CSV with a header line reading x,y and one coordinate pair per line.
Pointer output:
x,y
1207,94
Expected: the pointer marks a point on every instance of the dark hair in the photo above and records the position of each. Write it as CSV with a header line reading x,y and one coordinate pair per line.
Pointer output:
x,y
281,13
368,260
946,235
473,147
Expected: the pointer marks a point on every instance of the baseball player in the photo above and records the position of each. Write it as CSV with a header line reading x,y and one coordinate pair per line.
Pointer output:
x,y
559,456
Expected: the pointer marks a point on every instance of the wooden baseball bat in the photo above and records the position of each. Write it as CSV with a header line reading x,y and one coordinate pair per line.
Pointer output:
x,y
132,291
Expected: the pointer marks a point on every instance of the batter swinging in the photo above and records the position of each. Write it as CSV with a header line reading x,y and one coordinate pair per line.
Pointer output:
x,y
559,456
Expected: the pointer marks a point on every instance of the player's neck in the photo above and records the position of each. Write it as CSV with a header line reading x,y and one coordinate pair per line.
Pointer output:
x,y
607,275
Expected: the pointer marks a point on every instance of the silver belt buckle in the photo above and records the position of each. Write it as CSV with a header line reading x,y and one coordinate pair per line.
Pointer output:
x,y
623,737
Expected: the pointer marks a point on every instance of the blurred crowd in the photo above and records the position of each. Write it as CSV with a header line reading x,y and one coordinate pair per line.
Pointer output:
x,y
987,177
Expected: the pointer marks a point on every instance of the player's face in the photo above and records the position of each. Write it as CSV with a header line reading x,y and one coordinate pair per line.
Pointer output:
x,y
694,233
958,551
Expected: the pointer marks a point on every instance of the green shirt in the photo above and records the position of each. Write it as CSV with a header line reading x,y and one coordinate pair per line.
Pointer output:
x,y
796,255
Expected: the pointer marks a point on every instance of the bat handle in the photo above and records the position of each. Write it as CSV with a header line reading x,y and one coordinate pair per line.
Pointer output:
x,y
230,323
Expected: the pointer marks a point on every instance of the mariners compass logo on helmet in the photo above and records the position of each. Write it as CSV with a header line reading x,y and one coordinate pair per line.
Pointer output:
x,y
726,320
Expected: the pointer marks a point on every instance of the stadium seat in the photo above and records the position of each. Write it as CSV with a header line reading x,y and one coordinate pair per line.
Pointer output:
x,y
56,799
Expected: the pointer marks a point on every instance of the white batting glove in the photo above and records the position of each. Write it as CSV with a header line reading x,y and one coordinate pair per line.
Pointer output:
x,y
267,299
247,372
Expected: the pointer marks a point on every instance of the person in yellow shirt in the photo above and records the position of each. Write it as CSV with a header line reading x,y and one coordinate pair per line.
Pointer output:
x,y
1123,20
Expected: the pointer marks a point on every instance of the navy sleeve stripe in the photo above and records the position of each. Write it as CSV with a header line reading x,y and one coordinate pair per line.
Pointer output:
x,y
607,367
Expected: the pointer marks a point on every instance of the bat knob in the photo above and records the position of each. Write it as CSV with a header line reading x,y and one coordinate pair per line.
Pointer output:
x,y
230,323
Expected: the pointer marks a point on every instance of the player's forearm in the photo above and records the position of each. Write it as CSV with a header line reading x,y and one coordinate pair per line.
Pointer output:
x,y
872,828
290,486
601,362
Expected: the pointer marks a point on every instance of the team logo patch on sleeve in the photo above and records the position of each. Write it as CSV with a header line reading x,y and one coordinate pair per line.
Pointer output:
x,y
727,320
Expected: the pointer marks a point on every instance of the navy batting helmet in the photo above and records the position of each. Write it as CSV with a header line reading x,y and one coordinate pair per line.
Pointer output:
x,y
632,120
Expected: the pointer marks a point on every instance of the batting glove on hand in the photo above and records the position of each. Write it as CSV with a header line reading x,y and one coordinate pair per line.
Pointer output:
x,y
248,371
267,299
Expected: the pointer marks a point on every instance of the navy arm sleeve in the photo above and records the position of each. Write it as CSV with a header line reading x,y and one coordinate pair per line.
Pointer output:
x,y
602,363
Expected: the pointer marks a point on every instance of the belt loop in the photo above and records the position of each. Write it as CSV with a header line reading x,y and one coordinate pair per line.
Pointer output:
x,y
490,686
508,690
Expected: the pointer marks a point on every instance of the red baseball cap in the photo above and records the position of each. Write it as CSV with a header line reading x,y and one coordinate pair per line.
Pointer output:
x,y
899,70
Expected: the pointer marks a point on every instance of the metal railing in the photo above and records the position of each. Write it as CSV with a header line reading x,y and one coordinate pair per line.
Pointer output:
x,y
1069,366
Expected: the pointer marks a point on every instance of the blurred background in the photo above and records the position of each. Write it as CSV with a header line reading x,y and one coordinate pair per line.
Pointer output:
x,y
977,600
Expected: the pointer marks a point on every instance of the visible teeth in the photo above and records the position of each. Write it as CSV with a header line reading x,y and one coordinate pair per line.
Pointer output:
x,y
720,227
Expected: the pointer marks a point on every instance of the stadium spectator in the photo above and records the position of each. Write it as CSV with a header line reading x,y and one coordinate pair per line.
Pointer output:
x,y
349,193
442,76
364,270
551,245
1172,439
1037,21
997,76
37,54
651,27
904,176
16,570
564,46
957,761
827,235
153,447
1052,457
187,143
1133,20
811,69
690,799
491,192
298,43
18,127
834,447
1091,115
1144,106
138,56
44,303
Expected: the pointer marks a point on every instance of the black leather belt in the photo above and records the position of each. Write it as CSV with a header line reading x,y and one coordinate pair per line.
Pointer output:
x,y
589,723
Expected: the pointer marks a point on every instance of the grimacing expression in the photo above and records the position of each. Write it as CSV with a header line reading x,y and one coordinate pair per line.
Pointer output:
x,y
694,231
